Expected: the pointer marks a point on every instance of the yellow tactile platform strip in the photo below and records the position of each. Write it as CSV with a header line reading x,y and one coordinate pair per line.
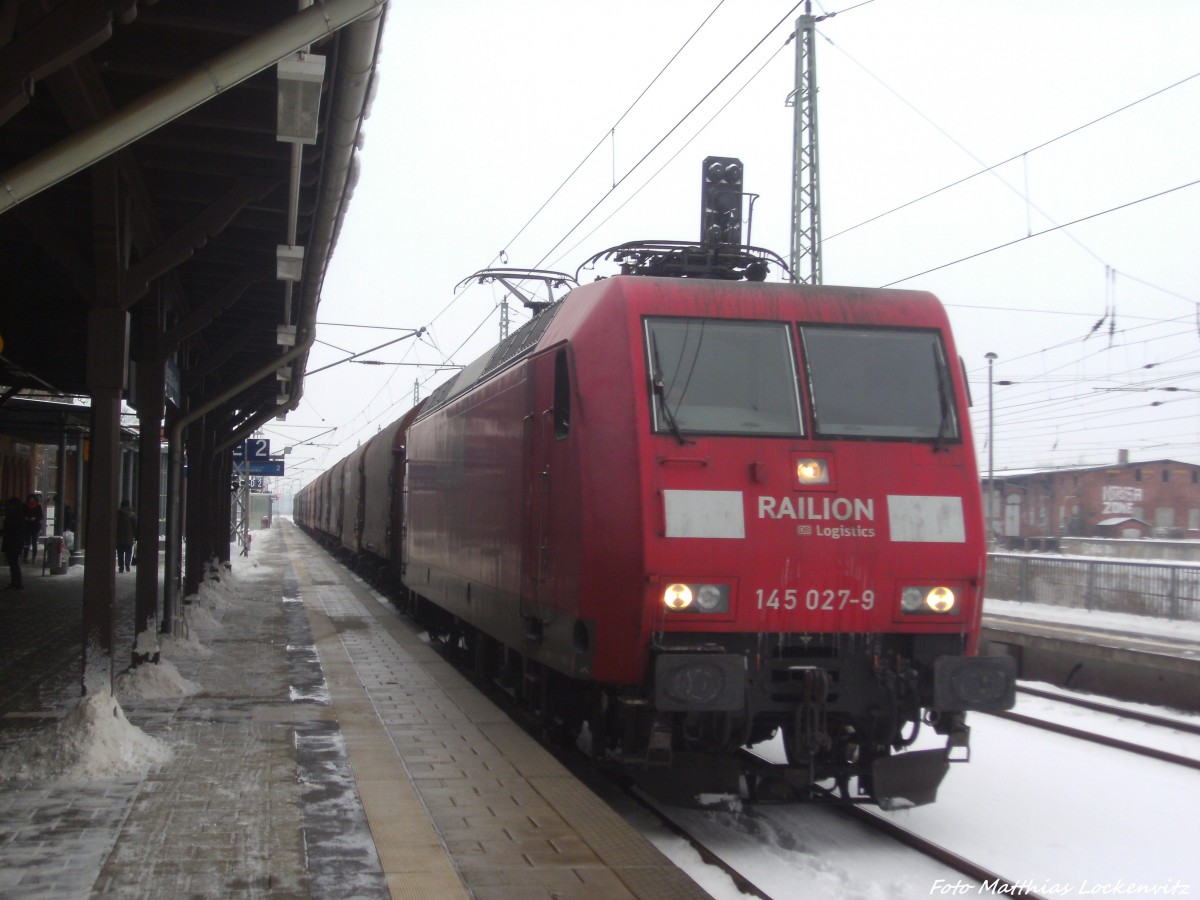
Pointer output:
x,y
460,800
414,858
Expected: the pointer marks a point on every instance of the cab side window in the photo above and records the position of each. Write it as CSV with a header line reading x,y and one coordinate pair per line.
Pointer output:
x,y
562,396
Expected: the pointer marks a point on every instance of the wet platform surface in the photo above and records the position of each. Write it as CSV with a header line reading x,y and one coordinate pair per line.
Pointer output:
x,y
328,752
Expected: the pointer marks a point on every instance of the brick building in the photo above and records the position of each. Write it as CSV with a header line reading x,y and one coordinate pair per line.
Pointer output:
x,y
16,467
1160,498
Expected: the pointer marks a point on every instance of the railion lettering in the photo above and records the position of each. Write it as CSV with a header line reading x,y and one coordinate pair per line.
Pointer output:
x,y
817,509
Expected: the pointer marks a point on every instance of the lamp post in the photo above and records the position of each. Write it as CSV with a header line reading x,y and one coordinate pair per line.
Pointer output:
x,y
991,358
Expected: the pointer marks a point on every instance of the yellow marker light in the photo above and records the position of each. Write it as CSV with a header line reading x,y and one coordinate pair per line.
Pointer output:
x,y
678,596
812,471
940,599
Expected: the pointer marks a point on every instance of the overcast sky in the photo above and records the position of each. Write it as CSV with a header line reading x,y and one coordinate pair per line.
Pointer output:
x,y
484,108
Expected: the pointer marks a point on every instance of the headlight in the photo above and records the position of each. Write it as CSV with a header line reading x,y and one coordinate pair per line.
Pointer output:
x,y
924,601
678,597
697,598
709,599
810,470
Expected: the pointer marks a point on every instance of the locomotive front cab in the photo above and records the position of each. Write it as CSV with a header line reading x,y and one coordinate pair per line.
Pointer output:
x,y
814,533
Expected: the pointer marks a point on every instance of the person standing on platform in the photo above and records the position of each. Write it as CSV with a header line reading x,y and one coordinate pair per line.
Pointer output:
x,y
126,535
33,523
14,540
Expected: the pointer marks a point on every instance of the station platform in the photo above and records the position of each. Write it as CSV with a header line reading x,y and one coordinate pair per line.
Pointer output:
x,y
327,751
1125,657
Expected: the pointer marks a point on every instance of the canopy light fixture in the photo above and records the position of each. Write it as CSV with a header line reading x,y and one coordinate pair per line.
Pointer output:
x,y
289,262
300,78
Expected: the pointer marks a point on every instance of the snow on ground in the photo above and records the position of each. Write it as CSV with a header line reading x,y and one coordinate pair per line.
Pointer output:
x,y
1049,808
1061,817
1058,817
1111,724
1125,623
94,740
154,681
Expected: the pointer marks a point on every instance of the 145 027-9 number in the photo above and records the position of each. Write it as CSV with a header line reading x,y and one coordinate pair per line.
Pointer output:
x,y
814,600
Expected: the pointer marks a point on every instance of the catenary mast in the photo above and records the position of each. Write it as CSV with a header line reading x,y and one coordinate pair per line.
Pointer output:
x,y
805,259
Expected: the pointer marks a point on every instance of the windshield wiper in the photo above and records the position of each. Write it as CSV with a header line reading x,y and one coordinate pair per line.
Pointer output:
x,y
943,400
660,391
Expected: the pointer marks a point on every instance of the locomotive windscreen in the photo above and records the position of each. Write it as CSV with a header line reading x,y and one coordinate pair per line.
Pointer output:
x,y
878,382
716,376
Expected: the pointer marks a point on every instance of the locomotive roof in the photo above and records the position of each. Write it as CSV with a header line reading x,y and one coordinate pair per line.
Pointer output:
x,y
836,304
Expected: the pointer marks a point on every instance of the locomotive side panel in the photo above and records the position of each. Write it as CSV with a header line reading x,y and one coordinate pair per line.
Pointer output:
x,y
600,491
464,505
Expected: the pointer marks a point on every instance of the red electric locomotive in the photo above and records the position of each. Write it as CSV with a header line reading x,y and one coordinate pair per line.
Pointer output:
x,y
696,512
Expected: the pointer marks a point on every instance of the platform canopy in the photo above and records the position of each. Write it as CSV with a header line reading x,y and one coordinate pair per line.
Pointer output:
x,y
228,129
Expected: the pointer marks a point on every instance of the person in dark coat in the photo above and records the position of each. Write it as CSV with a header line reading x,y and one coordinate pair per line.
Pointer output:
x,y
14,540
33,523
126,535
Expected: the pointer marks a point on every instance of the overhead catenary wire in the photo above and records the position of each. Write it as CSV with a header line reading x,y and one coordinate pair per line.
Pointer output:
x,y
662,140
607,136
1037,411
1044,231
1013,158
610,133
992,169
673,156
502,256
616,182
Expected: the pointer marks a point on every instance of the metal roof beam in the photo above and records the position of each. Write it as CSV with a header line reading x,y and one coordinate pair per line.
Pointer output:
x,y
58,39
181,245
174,100
198,318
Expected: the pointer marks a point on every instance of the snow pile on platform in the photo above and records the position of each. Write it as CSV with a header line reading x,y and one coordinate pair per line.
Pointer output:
x,y
152,681
177,647
202,610
95,740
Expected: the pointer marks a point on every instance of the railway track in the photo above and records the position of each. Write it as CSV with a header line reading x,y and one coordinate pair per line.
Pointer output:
x,y
986,878
996,883
708,854
1096,706
621,793
1104,739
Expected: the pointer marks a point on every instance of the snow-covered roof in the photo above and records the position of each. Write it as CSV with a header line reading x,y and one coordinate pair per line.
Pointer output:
x,y
1057,470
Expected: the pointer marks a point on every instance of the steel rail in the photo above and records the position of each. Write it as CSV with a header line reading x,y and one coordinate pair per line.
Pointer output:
x,y
998,884
1102,739
709,856
863,812
1135,715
